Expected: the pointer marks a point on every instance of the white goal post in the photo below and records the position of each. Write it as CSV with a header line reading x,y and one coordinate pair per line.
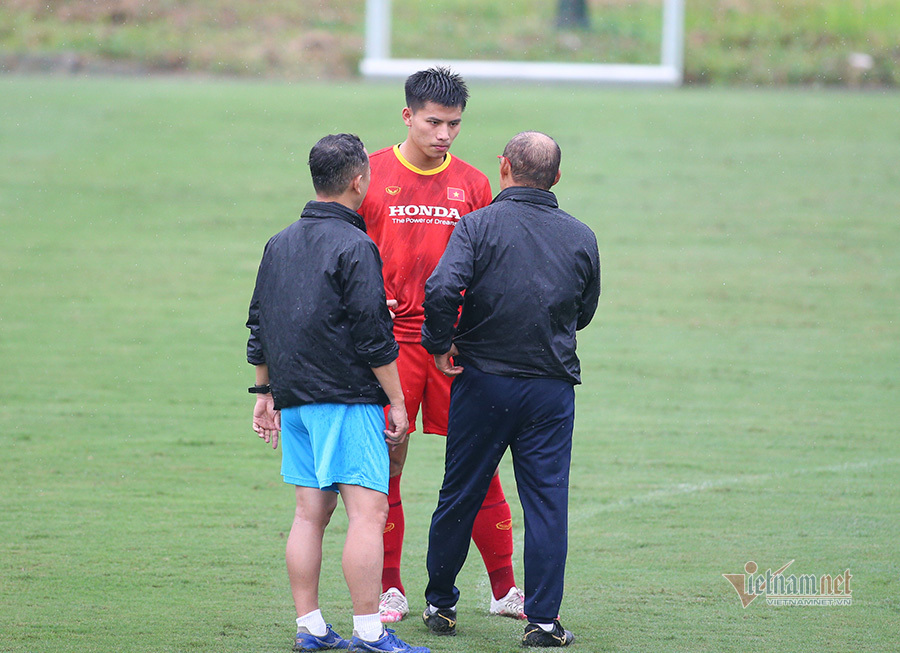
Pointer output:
x,y
379,63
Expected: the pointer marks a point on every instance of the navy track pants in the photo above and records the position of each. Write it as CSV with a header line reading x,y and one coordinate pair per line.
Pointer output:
x,y
534,419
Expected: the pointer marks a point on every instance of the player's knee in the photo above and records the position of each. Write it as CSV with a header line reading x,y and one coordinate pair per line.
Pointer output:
x,y
313,519
371,519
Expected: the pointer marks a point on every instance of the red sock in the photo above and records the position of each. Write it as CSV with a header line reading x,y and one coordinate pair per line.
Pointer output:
x,y
393,538
492,534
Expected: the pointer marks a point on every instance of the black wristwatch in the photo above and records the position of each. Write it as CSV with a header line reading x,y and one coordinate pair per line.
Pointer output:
x,y
260,389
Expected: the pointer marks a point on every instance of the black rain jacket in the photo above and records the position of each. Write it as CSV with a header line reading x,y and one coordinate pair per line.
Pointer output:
x,y
318,316
531,276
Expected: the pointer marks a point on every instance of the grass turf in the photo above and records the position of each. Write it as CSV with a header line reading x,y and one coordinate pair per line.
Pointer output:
x,y
740,396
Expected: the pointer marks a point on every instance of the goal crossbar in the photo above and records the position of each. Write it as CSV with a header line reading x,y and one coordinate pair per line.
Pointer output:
x,y
669,72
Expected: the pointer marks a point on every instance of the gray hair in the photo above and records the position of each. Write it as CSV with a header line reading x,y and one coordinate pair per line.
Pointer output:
x,y
534,159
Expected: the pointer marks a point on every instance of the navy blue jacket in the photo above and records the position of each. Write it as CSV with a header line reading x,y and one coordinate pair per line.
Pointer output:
x,y
531,276
318,316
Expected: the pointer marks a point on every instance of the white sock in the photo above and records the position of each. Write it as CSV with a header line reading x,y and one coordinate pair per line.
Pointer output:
x,y
547,628
314,623
368,626
432,610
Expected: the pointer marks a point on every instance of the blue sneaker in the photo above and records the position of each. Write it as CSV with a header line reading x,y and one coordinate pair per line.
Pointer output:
x,y
389,643
330,641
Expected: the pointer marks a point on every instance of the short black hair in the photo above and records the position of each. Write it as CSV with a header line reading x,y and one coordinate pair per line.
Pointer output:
x,y
534,159
439,85
334,161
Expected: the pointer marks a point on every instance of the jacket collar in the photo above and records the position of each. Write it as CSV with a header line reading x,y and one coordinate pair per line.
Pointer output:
x,y
526,194
316,209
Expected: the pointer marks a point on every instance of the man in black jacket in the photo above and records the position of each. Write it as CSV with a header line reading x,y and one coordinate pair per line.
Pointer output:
x,y
531,276
322,342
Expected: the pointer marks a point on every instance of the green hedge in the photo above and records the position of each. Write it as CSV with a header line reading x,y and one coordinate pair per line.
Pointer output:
x,y
759,42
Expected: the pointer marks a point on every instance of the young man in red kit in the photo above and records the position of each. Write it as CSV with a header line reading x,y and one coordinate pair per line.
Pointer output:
x,y
418,193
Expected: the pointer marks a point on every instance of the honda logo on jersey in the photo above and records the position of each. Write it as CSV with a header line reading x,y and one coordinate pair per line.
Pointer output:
x,y
424,211
456,194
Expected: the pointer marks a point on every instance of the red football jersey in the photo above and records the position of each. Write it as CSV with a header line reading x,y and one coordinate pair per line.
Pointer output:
x,y
410,214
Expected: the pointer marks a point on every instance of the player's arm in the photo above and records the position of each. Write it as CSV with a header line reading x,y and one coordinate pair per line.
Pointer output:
x,y
266,420
398,421
591,294
443,291
446,364
372,331
255,353
363,297
371,212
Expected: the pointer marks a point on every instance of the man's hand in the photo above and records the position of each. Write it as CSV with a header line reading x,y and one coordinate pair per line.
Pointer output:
x,y
392,304
267,420
397,421
445,365
398,425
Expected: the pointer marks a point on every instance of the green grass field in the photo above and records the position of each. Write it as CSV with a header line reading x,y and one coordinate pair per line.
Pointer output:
x,y
740,397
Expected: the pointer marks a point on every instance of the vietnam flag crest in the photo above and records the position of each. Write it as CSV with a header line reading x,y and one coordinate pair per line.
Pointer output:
x,y
456,194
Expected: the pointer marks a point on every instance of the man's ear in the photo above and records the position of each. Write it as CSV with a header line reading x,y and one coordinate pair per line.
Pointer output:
x,y
406,114
356,183
556,181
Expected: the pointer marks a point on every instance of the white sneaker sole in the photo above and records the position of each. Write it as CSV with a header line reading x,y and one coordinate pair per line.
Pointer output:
x,y
507,613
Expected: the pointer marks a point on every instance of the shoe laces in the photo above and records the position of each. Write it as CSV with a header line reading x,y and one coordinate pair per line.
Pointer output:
x,y
514,600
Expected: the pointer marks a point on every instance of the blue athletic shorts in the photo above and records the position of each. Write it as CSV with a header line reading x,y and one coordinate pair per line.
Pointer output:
x,y
326,444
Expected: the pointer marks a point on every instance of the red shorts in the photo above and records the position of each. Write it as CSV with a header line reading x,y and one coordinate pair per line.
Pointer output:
x,y
423,385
